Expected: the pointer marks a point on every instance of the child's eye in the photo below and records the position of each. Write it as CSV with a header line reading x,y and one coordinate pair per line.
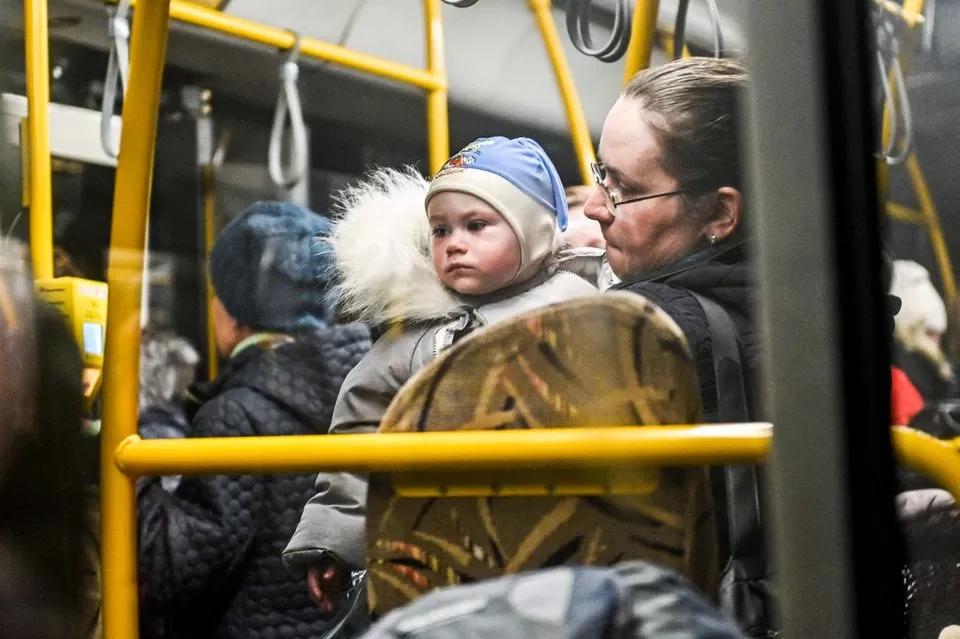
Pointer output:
x,y
476,225
439,231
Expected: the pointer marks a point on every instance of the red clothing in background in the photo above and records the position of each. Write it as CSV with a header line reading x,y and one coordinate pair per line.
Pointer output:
x,y
905,399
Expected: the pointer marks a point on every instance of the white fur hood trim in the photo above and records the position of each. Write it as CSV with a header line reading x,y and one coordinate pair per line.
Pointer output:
x,y
381,240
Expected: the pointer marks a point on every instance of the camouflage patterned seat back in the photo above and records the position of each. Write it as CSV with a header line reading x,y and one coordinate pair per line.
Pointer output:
x,y
612,360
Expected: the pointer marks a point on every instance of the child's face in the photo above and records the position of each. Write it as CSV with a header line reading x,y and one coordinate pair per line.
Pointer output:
x,y
474,250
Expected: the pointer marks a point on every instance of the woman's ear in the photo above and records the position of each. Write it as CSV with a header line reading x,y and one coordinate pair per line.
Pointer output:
x,y
727,213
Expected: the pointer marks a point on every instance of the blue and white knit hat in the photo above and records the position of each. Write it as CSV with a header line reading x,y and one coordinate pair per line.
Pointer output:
x,y
518,180
270,269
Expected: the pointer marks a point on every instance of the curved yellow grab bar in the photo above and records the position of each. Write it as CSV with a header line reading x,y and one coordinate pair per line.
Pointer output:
x,y
570,448
936,459
451,451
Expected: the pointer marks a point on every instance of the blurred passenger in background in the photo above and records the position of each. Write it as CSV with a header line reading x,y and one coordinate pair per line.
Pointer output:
x,y
581,230
167,369
919,329
210,551
41,481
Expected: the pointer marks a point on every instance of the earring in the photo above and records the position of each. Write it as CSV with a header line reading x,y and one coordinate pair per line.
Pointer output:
x,y
714,240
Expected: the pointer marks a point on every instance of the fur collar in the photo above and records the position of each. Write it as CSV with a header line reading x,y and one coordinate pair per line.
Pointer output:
x,y
381,240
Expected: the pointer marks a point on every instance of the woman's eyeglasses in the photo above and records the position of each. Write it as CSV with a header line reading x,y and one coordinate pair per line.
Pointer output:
x,y
600,175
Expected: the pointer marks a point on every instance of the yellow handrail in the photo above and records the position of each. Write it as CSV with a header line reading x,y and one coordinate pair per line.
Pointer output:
x,y
131,205
643,32
503,451
911,12
450,451
433,79
932,221
309,47
38,119
936,459
906,214
438,128
579,130
209,234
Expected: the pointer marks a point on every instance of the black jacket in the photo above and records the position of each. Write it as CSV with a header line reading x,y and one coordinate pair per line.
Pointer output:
x,y
723,276
923,374
210,551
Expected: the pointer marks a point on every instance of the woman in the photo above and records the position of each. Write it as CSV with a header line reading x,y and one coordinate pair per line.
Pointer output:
x,y
920,326
670,204
670,201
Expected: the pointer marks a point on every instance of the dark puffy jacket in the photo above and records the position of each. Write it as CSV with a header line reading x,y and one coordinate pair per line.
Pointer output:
x,y
210,551
924,375
166,421
724,276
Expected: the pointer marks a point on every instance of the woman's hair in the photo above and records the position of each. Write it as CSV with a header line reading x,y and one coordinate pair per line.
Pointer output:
x,y
693,107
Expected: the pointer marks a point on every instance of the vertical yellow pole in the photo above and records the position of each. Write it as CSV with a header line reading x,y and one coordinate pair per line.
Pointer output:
x,y
438,124
209,233
642,36
125,274
38,116
932,222
579,131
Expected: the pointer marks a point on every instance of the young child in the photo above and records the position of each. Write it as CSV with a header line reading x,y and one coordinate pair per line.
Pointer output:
x,y
486,250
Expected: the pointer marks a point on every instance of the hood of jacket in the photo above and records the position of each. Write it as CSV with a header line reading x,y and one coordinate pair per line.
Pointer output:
x,y
381,240
303,375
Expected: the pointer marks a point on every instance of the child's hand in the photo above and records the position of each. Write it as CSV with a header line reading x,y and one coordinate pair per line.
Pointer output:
x,y
327,583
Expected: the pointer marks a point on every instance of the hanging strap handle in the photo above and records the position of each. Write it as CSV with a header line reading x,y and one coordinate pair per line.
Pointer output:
x,y
288,102
578,28
898,105
118,66
891,107
906,114
680,28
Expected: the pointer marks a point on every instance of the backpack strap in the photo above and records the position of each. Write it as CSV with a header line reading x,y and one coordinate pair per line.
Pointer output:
x,y
740,521
727,365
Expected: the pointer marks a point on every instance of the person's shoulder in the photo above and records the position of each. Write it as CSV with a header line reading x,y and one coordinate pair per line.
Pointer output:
x,y
227,414
564,284
680,304
348,335
395,350
663,294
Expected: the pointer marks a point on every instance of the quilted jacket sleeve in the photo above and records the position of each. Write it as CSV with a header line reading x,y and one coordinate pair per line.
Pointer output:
x,y
192,539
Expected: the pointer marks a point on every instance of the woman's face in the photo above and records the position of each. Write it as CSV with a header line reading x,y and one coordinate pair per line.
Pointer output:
x,y
651,233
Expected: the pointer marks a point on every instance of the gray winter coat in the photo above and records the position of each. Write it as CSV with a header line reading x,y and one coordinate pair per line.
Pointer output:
x,y
381,286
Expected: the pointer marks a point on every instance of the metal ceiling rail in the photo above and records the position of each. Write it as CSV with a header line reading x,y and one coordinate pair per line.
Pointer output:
x,y
432,79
